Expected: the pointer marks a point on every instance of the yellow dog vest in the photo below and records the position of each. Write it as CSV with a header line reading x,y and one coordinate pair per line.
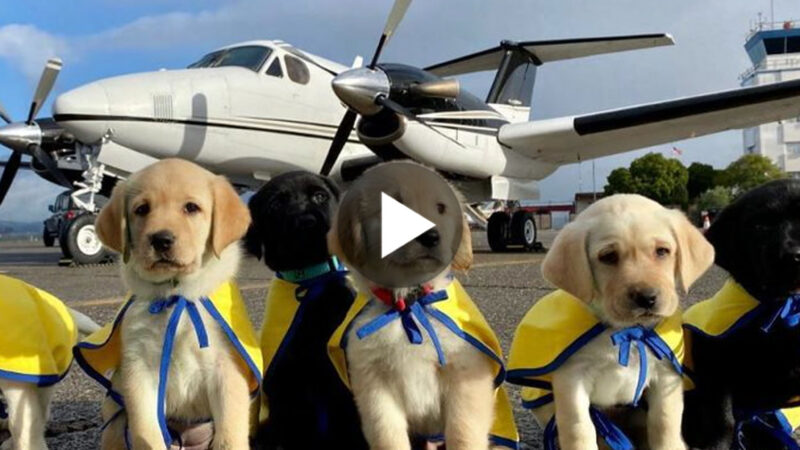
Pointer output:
x,y
281,310
454,309
38,334
559,325
721,315
99,355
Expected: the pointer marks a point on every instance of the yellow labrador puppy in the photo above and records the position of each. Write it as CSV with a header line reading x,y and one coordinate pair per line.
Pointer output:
x,y
612,334
180,350
444,382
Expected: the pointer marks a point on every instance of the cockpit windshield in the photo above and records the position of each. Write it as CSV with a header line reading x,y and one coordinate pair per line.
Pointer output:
x,y
249,56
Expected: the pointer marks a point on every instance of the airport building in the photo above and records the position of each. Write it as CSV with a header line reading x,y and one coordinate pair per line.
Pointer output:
x,y
774,49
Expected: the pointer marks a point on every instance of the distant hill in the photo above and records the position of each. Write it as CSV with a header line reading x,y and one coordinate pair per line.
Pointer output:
x,y
8,228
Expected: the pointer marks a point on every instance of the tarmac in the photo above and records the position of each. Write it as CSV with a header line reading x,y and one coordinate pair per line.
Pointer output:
x,y
503,285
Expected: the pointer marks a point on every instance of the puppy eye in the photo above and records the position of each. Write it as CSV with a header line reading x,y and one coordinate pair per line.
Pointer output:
x,y
662,252
611,258
441,208
142,210
319,197
191,208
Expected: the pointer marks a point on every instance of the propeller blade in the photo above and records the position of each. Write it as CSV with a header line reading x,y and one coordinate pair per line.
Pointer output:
x,y
4,115
46,82
400,109
51,165
395,16
342,133
12,165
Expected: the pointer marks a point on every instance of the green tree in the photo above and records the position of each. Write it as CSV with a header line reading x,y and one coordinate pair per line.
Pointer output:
x,y
701,179
619,182
748,172
654,176
712,200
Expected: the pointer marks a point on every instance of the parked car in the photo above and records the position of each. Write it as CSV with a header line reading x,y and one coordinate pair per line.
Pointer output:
x,y
74,229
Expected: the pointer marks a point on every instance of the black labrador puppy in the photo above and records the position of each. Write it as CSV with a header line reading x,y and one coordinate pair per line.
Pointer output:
x,y
309,407
754,368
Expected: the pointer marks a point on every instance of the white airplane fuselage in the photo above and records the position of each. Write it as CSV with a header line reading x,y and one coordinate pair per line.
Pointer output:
x,y
251,125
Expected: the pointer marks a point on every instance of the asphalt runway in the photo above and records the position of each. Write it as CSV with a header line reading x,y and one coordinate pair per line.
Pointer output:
x,y
505,286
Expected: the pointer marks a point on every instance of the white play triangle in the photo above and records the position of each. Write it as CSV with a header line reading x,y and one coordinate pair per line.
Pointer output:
x,y
399,224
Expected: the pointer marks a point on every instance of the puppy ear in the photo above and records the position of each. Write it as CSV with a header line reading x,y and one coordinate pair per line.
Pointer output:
x,y
230,217
463,257
722,235
332,186
695,253
253,243
348,244
111,224
566,264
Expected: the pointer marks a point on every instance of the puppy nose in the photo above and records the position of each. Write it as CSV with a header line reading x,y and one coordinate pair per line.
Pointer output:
x,y
429,238
162,240
305,222
644,297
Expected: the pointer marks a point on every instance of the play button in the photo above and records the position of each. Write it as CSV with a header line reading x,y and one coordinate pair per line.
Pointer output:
x,y
399,225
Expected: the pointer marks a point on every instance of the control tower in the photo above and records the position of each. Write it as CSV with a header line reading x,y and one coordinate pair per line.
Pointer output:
x,y
774,49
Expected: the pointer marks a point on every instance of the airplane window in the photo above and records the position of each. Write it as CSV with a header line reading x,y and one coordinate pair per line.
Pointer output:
x,y
250,56
209,60
296,69
275,68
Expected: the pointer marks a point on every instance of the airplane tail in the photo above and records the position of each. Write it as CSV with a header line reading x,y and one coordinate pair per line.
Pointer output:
x,y
516,62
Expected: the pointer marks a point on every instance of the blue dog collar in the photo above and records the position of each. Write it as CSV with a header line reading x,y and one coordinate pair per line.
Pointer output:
x,y
307,273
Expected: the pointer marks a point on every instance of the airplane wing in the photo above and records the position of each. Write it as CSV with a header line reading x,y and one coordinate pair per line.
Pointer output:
x,y
547,51
570,139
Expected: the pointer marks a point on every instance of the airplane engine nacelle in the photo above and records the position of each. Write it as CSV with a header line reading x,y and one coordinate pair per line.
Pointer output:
x,y
474,154
381,129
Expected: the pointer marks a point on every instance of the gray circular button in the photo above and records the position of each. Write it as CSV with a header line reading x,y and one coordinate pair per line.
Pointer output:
x,y
399,225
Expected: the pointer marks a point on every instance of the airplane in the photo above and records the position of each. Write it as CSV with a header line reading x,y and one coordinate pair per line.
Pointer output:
x,y
255,109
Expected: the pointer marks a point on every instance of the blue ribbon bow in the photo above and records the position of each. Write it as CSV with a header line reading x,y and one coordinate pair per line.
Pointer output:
x,y
611,434
180,304
417,310
789,314
766,421
644,338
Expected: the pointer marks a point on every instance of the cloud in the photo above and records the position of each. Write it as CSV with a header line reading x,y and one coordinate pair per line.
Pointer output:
x,y
28,48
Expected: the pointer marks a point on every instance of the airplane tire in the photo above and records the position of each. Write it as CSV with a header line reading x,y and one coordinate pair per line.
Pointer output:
x,y
82,242
523,229
497,231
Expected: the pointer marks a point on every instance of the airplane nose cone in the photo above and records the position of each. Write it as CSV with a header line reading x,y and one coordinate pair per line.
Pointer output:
x,y
358,88
84,112
20,136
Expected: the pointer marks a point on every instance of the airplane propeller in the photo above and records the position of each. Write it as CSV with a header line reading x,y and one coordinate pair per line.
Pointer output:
x,y
26,137
349,119
366,91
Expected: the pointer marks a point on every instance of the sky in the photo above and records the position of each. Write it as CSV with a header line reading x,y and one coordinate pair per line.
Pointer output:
x,y
101,38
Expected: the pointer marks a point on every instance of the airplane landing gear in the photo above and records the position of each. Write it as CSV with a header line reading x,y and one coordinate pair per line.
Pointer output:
x,y
78,239
512,228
